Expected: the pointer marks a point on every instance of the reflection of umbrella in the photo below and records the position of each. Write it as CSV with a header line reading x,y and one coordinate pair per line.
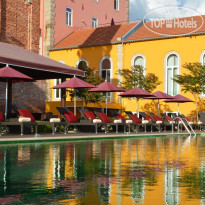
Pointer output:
x,y
138,93
159,95
179,99
9,74
74,83
106,87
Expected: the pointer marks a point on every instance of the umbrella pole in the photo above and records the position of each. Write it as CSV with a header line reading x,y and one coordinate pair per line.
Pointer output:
x,y
6,106
178,109
137,108
106,104
75,102
158,107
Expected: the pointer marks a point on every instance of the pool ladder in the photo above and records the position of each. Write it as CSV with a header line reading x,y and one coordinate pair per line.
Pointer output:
x,y
185,125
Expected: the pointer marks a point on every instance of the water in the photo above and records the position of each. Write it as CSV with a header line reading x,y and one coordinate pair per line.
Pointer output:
x,y
157,170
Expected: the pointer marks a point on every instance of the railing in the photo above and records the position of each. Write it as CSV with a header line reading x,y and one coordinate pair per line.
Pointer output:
x,y
182,120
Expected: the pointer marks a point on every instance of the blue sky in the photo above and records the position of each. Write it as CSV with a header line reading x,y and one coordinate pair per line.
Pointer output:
x,y
139,8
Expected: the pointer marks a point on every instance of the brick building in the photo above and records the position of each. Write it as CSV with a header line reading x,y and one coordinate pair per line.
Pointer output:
x,y
60,18
20,25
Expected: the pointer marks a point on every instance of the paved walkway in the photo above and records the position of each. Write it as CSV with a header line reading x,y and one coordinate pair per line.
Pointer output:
x,y
11,138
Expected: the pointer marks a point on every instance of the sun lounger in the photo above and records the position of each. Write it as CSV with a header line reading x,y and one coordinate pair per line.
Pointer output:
x,y
155,123
71,119
105,119
22,123
167,121
137,121
23,112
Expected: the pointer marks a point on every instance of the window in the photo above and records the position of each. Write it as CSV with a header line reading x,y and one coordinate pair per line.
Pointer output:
x,y
172,69
116,5
82,64
94,22
57,92
139,59
69,16
203,63
106,71
95,0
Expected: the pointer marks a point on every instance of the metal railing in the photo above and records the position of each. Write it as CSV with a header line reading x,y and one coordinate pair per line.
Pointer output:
x,y
185,125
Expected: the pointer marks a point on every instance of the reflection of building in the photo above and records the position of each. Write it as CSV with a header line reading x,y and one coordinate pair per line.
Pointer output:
x,y
109,49
171,184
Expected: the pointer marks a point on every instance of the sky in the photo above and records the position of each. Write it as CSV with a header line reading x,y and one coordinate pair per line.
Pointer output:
x,y
140,8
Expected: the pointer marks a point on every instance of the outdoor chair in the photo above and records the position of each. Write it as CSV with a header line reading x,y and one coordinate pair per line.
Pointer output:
x,y
137,121
129,122
155,123
24,113
202,120
22,123
71,119
166,120
109,123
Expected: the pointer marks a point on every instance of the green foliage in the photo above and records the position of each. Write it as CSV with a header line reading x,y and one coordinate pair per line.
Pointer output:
x,y
136,78
194,80
92,78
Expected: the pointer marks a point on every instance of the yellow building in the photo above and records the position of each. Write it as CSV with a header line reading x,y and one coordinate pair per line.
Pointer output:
x,y
110,49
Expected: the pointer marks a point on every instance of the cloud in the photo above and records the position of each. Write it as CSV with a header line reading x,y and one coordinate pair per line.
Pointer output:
x,y
139,8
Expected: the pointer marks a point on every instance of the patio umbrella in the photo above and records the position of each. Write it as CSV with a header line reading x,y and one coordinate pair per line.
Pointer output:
x,y
159,95
138,93
74,83
106,87
179,99
7,75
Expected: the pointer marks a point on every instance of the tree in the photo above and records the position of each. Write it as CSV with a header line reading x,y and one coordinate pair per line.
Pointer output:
x,y
137,78
92,78
192,81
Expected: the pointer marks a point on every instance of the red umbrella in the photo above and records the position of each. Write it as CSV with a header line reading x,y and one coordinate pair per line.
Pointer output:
x,y
179,99
159,95
106,87
74,83
9,74
136,92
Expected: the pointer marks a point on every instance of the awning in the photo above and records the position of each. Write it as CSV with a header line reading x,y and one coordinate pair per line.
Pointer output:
x,y
34,65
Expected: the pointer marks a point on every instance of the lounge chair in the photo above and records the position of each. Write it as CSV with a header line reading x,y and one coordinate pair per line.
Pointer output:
x,y
105,119
137,121
18,122
155,123
23,112
166,120
201,122
71,119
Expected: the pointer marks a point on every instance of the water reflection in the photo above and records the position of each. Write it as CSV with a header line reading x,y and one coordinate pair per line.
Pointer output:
x,y
161,170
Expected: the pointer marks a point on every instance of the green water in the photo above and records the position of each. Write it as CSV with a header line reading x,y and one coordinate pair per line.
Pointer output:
x,y
157,170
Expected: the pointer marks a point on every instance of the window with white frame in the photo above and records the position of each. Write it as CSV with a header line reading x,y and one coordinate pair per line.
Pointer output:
x,y
172,69
203,63
94,22
106,71
82,64
69,16
116,5
140,61
57,92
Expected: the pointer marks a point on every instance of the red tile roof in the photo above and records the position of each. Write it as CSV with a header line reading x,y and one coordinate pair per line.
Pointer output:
x,y
109,34
149,31
101,35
